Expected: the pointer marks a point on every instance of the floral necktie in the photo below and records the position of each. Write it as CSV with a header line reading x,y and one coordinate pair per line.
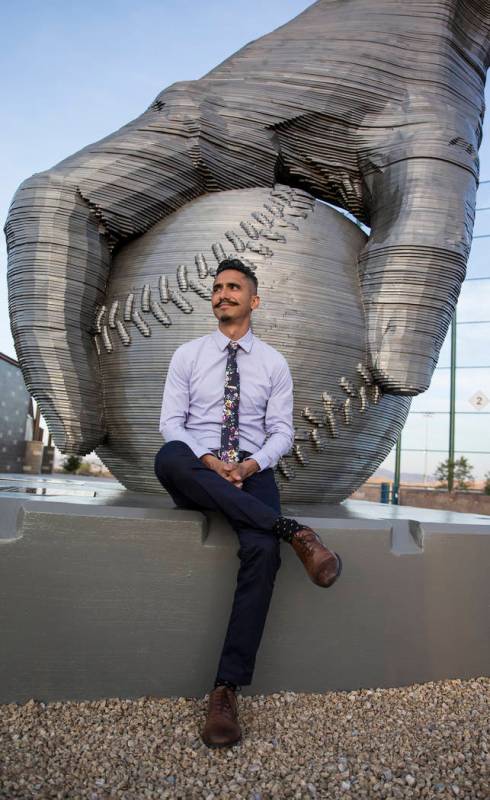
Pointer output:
x,y
230,438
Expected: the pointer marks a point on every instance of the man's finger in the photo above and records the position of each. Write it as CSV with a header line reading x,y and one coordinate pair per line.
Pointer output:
x,y
227,475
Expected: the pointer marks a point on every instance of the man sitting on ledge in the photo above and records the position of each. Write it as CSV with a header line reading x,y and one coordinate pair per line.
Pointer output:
x,y
217,457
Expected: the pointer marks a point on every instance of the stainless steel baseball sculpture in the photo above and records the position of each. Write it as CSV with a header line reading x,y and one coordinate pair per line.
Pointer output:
x,y
373,105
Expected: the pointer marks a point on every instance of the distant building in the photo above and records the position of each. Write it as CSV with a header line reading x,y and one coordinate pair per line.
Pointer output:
x,y
16,417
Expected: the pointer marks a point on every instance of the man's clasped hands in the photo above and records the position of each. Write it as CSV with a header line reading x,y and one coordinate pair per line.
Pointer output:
x,y
236,473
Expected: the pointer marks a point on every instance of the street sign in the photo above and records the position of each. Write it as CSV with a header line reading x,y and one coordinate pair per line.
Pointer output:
x,y
479,400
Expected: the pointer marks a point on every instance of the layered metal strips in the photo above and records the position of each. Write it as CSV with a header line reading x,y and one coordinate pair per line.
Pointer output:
x,y
310,310
171,286
373,105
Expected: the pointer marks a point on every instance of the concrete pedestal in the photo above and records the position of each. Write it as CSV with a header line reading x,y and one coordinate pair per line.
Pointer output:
x,y
123,595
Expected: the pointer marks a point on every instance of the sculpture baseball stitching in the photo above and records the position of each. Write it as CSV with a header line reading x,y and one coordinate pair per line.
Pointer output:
x,y
305,256
357,103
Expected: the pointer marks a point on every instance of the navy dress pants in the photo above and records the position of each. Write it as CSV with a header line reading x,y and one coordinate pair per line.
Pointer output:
x,y
251,511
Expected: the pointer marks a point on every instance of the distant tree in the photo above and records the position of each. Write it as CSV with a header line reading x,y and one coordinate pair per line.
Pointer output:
x,y
442,472
462,473
71,463
486,487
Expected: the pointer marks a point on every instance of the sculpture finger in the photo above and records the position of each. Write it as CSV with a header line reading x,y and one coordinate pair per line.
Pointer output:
x,y
414,262
62,227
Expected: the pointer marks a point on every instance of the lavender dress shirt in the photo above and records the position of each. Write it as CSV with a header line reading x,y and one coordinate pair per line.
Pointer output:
x,y
192,405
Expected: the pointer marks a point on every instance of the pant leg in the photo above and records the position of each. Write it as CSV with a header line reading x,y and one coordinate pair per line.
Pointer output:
x,y
185,475
251,510
180,499
260,560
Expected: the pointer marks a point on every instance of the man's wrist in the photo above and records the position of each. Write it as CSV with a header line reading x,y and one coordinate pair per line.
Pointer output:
x,y
254,465
261,458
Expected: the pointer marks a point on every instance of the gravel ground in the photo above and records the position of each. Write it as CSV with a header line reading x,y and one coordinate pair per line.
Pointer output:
x,y
426,740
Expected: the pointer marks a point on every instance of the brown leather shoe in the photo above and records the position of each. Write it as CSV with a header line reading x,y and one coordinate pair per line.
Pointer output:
x,y
222,728
322,565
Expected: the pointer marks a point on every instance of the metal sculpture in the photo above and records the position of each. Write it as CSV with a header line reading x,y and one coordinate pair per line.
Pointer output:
x,y
373,105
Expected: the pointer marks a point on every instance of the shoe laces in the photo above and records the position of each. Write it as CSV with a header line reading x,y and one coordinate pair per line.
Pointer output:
x,y
307,541
219,700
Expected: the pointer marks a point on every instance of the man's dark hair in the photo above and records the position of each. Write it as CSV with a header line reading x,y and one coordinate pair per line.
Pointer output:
x,y
235,263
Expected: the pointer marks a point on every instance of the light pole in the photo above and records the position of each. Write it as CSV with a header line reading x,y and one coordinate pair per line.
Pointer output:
x,y
452,406
395,492
427,415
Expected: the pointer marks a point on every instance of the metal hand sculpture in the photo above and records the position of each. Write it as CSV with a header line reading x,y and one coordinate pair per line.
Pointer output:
x,y
375,105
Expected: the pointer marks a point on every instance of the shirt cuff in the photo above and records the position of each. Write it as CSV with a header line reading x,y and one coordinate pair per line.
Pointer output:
x,y
261,459
202,451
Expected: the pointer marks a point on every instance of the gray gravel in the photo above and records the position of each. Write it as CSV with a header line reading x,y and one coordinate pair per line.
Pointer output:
x,y
428,740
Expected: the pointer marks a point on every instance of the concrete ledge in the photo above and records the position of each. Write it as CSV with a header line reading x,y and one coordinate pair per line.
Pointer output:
x,y
126,596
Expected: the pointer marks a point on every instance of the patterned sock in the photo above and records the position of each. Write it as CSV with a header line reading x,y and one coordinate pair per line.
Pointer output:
x,y
229,684
285,528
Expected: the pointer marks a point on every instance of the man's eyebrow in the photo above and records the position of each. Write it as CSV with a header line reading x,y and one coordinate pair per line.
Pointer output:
x,y
228,283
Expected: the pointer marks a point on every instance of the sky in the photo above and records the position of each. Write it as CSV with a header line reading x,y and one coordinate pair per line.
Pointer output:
x,y
75,72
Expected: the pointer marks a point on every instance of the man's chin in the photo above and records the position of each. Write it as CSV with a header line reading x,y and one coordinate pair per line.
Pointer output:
x,y
224,316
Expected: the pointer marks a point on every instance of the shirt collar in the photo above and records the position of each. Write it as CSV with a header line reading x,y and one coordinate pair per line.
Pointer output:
x,y
222,341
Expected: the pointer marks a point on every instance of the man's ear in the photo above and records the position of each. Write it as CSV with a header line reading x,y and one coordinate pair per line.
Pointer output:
x,y
255,301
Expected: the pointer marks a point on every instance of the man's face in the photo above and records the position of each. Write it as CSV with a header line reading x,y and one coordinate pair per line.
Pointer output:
x,y
233,296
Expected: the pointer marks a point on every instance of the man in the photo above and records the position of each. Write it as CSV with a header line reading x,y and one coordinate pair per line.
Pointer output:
x,y
223,394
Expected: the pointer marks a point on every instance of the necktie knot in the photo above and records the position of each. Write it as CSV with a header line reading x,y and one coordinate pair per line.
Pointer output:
x,y
233,346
